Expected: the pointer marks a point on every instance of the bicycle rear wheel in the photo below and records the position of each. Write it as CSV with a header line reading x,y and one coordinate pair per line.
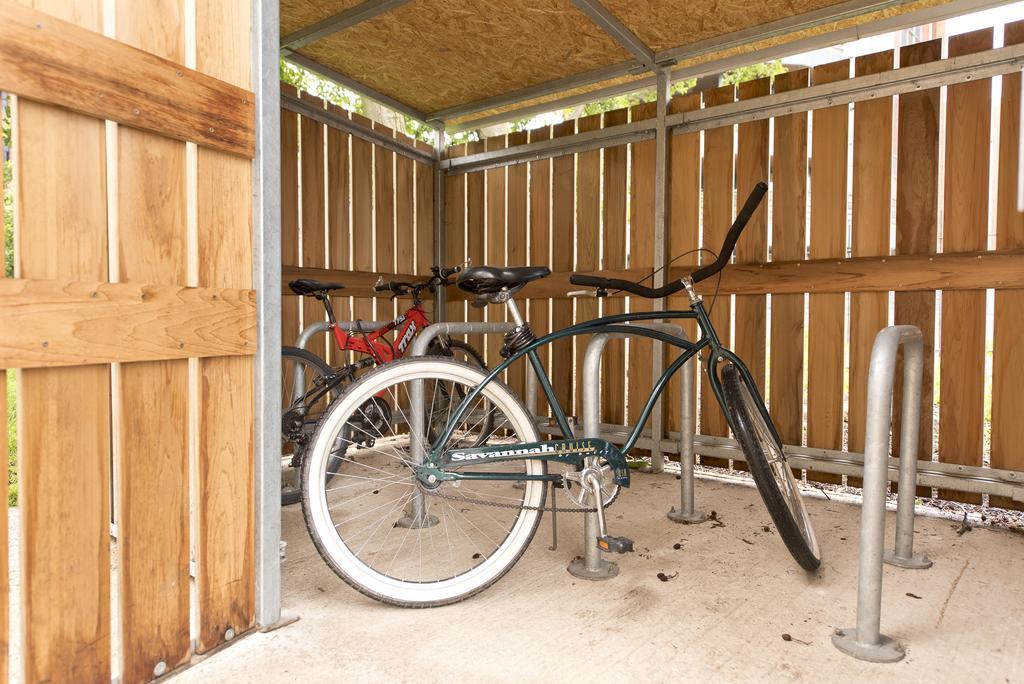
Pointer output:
x,y
301,373
767,462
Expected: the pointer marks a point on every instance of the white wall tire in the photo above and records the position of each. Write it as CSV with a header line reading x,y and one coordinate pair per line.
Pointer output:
x,y
352,564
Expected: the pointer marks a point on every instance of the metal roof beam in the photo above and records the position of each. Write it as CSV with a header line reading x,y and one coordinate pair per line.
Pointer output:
x,y
337,22
349,82
620,33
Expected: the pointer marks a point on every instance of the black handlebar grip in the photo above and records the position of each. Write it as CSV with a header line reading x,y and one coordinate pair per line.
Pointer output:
x,y
381,287
449,272
742,218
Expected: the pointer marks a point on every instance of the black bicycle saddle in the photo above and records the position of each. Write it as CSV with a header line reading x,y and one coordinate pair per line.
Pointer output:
x,y
483,280
304,286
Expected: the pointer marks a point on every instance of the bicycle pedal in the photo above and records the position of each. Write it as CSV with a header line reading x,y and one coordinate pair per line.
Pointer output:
x,y
615,544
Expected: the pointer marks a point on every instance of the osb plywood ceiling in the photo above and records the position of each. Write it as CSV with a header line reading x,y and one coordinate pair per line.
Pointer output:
x,y
437,54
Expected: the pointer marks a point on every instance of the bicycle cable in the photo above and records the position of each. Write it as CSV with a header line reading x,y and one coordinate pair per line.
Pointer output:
x,y
714,255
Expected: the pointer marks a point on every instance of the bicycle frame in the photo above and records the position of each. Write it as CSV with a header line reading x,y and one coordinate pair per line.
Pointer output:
x,y
437,462
372,342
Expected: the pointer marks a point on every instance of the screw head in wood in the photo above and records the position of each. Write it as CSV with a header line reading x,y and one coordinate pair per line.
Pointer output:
x,y
229,634
160,669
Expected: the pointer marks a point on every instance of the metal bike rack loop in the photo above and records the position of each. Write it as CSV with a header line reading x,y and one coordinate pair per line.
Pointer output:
x,y
865,641
593,566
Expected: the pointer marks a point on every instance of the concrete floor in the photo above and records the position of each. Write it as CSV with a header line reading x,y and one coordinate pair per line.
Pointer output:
x,y
722,618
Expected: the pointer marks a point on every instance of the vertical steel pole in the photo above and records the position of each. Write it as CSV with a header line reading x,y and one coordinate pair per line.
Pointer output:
x,y
687,422
439,211
660,240
913,370
267,282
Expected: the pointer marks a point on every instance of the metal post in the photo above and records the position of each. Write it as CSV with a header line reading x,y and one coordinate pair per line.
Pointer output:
x,y
440,247
865,641
266,279
687,428
660,235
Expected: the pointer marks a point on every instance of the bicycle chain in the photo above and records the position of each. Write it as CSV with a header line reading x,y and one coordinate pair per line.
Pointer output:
x,y
555,509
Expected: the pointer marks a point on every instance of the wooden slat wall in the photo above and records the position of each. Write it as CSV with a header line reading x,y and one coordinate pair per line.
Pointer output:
x,y
613,378
789,243
562,243
827,208
289,214
641,256
153,426
1008,351
540,249
339,254
917,207
455,229
516,244
962,382
495,253
311,204
122,214
476,238
828,239
872,208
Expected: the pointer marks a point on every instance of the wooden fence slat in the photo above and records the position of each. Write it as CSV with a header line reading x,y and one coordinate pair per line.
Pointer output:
x,y
718,201
226,522
362,216
476,236
872,218
917,207
424,182
455,231
962,372
641,256
1008,349
495,189
830,135
46,59
588,236
384,217
405,229
65,568
562,227
338,203
540,249
314,219
516,243
789,243
682,231
613,382
153,545
289,214
752,168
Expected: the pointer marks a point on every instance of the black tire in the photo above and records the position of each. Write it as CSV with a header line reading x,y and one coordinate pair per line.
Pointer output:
x,y
463,351
291,494
767,463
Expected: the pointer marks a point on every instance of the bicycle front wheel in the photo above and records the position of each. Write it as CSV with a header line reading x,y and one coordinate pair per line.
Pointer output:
x,y
767,462
378,528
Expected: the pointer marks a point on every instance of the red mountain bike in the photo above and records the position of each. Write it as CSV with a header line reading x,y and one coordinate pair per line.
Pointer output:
x,y
309,384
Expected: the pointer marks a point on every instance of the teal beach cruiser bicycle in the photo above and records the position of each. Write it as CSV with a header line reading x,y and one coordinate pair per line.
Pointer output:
x,y
426,513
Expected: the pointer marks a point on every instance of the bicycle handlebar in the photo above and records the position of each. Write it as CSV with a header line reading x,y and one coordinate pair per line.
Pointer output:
x,y
742,218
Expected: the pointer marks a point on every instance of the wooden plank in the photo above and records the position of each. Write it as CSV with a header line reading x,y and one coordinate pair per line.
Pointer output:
x,y
830,131
338,229
289,216
152,512
65,568
641,257
476,236
789,243
405,228
424,183
384,217
751,318
516,241
562,242
718,216
540,251
362,215
917,208
588,236
613,381
683,226
46,59
965,227
314,219
1008,348
225,562
455,231
68,323
872,220
495,251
